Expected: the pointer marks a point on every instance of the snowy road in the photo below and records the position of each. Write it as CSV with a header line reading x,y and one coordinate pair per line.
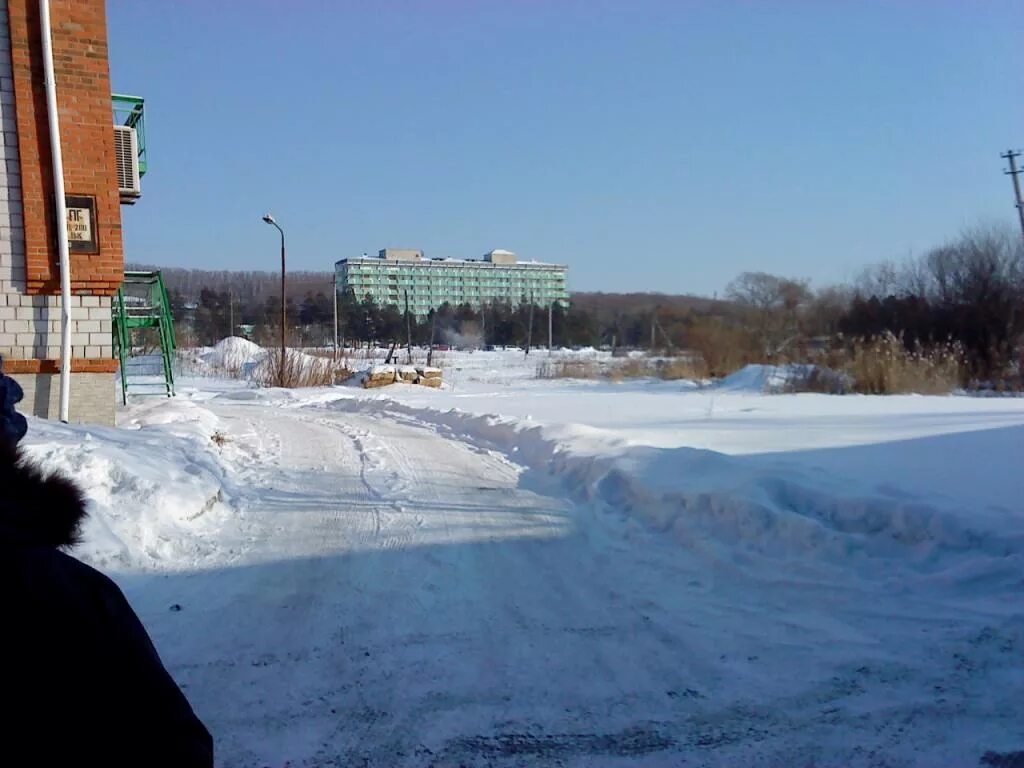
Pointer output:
x,y
402,597
408,603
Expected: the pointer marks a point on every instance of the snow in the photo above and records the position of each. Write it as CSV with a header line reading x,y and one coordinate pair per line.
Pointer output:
x,y
763,378
514,571
234,353
158,494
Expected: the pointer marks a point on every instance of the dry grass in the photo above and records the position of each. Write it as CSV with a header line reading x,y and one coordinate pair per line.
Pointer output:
x,y
630,368
569,369
622,369
884,366
677,368
299,370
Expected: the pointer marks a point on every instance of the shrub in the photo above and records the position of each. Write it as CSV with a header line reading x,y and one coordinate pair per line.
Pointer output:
x,y
569,369
676,368
723,347
299,370
884,366
629,368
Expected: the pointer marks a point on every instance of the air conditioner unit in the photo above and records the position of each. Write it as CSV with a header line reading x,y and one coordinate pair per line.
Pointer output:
x,y
126,148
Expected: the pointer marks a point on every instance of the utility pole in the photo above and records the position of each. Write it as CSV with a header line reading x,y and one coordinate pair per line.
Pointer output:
x,y
550,328
654,325
408,331
336,350
1014,173
231,313
433,326
529,330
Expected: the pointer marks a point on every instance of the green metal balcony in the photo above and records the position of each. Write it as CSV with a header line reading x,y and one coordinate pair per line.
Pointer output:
x,y
131,111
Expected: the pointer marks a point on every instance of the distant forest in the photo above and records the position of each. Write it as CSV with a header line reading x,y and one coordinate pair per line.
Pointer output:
x,y
966,295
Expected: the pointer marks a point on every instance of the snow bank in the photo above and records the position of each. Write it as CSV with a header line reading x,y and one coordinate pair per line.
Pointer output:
x,y
249,361
157,493
234,353
767,379
733,509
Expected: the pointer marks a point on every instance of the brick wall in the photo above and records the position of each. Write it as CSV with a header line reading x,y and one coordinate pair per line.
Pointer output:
x,y
30,327
29,273
93,396
82,74
30,324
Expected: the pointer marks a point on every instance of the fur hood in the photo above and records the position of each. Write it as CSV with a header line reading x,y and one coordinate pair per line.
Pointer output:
x,y
36,509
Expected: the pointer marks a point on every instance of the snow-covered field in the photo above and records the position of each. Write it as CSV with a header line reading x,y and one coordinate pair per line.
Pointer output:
x,y
512,571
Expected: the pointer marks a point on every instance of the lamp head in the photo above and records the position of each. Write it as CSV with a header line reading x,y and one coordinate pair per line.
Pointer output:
x,y
269,219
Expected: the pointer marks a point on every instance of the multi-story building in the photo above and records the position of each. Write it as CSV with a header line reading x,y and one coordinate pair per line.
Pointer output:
x,y
497,277
97,181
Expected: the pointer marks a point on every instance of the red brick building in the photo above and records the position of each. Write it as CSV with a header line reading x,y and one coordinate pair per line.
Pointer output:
x,y
30,301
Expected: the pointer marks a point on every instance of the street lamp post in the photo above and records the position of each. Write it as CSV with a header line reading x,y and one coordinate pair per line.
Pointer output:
x,y
280,374
335,312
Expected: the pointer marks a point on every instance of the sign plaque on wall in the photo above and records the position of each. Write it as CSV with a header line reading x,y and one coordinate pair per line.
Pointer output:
x,y
83,236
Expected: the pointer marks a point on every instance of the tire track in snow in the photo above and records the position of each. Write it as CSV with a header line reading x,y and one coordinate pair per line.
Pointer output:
x,y
410,604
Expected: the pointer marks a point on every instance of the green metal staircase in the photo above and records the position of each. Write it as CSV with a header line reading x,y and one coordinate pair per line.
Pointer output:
x,y
144,335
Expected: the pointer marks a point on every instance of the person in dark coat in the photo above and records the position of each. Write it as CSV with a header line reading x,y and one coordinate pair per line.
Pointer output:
x,y
82,683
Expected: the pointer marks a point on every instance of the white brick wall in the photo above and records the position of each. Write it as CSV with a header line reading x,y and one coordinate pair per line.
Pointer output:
x,y
30,325
92,396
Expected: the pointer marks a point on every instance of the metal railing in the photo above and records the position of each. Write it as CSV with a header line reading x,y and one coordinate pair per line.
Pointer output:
x,y
131,111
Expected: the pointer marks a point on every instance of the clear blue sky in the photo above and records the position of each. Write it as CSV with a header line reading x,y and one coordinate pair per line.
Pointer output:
x,y
649,145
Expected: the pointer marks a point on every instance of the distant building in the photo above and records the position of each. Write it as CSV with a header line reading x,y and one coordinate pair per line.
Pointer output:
x,y
497,277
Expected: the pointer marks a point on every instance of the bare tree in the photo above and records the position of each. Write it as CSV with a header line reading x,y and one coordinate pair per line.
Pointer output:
x,y
773,304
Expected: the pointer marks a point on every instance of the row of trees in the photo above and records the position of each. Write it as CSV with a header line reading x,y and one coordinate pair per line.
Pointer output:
x,y
969,291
